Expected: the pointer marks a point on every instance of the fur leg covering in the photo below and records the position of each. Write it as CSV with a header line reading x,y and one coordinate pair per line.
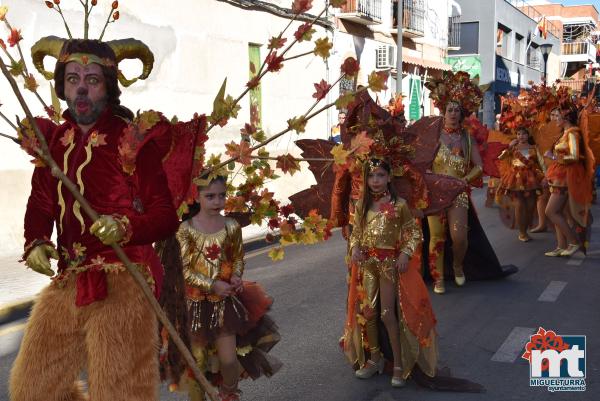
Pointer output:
x,y
52,352
122,344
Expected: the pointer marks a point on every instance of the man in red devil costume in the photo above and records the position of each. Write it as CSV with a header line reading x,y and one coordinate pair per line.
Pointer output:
x,y
90,315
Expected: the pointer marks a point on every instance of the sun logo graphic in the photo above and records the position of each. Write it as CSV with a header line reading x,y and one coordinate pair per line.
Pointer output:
x,y
556,362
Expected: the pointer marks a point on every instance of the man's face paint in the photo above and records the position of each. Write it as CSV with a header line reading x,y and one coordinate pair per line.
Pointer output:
x,y
85,91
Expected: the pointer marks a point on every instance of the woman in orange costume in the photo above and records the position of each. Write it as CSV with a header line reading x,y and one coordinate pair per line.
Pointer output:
x,y
570,184
522,178
459,157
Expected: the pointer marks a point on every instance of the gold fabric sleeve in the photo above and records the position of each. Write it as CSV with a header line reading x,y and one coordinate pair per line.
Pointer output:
x,y
410,235
573,154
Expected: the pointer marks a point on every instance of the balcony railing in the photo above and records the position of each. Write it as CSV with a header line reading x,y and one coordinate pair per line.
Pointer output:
x,y
535,15
366,12
575,84
413,17
585,49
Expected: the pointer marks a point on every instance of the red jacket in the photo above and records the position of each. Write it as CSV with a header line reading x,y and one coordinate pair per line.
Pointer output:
x,y
93,162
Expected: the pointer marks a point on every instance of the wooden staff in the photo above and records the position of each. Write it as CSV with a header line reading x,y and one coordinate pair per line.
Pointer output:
x,y
44,153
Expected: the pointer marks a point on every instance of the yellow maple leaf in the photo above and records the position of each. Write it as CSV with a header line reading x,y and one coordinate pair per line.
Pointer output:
x,y
30,83
340,155
147,120
308,237
322,47
378,80
276,254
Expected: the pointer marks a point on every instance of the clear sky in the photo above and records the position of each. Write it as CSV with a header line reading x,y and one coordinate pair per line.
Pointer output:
x,y
577,2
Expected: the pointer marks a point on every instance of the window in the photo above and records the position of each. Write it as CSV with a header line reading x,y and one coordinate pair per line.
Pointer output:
x,y
503,38
255,96
519,48
469,39
533,56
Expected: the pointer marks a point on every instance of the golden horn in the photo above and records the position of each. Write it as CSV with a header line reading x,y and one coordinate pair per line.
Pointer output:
x,y
133,49
48,46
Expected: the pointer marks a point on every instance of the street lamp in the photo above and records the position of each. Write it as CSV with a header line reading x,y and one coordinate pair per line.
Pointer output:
x,y
546,48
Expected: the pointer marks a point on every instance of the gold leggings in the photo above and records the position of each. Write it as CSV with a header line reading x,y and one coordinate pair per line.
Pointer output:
x,y
437,233
373,273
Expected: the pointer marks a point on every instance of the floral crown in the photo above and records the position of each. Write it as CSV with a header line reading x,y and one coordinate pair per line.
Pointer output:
x,y
123,49
455,87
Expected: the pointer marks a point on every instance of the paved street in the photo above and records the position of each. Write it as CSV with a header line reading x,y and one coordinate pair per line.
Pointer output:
x,y
480,326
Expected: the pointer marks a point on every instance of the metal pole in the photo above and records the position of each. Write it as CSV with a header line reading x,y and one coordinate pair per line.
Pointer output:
x,y
399,47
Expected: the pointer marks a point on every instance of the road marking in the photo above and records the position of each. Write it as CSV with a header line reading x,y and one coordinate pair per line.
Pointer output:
x,y
552,292
576,259
12,329
513,345
10,339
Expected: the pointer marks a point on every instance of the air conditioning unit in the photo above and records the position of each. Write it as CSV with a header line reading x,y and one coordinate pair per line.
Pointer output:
x,y
385,57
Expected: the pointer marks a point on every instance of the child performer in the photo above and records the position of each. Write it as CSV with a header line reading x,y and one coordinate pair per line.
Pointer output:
x,y
523,177
229,329
384,237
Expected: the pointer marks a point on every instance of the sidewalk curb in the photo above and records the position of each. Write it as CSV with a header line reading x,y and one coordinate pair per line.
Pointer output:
x,y
20,309
16,310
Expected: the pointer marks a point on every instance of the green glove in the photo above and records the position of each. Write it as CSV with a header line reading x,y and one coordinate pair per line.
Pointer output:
x,y
108,230
38,259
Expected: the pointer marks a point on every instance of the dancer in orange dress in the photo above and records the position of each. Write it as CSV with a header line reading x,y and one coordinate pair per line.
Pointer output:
x,y
522,178
570,184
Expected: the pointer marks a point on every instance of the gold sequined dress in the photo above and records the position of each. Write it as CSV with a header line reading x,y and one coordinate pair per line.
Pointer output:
x,y
382,237
218,256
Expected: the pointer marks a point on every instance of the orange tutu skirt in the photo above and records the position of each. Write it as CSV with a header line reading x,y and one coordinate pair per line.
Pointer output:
x,y
557,174
521,179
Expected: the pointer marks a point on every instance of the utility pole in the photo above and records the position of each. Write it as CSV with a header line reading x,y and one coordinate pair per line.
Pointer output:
x,y
399,47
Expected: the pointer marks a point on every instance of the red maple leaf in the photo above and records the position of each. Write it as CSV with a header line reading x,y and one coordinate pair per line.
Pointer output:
x,y
288,164
14,37
276,42
212,252
322,88
301,6
273,223
387,209
287,210
304,32
254,82
350,67
274,62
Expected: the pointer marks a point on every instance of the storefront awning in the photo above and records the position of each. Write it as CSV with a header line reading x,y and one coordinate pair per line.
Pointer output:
x,y
426,63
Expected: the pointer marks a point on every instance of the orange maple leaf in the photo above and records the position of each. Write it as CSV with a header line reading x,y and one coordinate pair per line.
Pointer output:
x,y
361,143
241,152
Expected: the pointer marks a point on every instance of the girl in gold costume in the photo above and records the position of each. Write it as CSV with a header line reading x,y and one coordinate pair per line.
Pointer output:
x,y
229,329
569,184
385,235
457,156
522,178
